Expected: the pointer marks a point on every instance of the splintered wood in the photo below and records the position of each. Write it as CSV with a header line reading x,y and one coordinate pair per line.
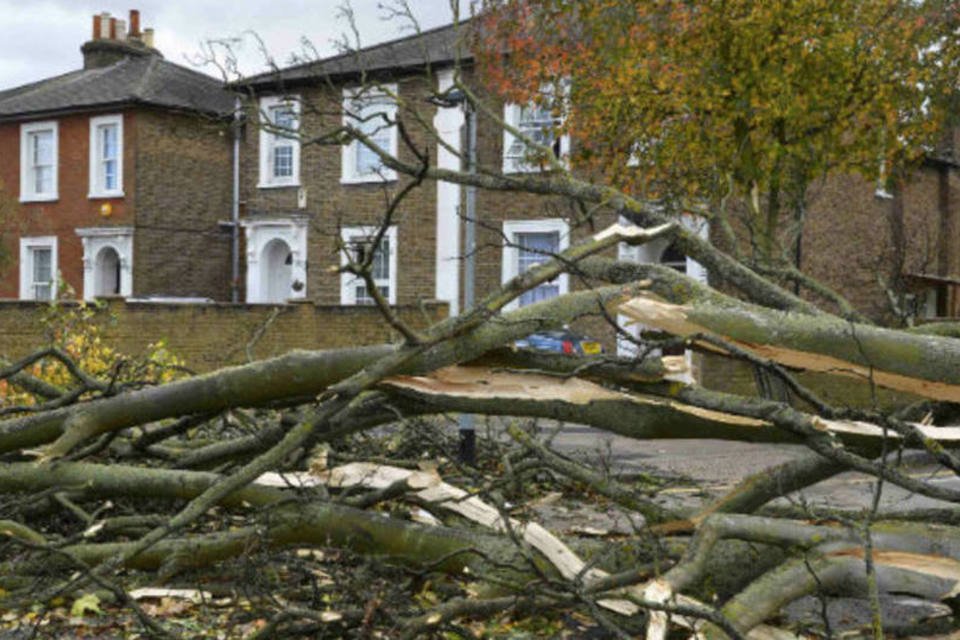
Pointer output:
x,y
767,340
487,383
430,488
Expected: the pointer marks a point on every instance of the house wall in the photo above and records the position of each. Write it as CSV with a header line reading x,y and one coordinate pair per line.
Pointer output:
x,y
73,208
330,204
496,207
210,336
184,181
859,244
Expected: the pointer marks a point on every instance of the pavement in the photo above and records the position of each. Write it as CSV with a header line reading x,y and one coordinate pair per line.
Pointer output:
x,y
705,468
713,466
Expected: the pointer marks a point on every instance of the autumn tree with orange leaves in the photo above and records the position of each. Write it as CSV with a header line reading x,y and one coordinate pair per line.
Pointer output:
x,y
733,99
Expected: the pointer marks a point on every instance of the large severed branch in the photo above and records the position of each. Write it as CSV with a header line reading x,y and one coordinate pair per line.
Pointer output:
x,y
919,364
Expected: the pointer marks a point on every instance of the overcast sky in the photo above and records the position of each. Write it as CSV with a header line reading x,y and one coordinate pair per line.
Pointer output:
x,y
42,38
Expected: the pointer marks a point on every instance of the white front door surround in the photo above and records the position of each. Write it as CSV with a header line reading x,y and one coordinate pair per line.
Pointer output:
x,y
276,259
107,261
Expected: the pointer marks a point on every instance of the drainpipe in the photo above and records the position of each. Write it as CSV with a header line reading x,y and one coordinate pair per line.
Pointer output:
x,y
468,434
235,208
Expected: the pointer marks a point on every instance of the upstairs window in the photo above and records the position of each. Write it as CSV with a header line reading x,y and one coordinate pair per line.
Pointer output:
x,y
38,161
539,122
106,156
358,243
373,113
279,144
38,268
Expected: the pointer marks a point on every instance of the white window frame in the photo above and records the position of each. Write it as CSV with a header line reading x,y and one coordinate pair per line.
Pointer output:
x,y
510,264
381,97
512,116
269,140
97,176
349,282
27,192
27,246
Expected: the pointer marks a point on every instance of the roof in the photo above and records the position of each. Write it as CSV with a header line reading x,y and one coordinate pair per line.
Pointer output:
x,y
434,46
148,80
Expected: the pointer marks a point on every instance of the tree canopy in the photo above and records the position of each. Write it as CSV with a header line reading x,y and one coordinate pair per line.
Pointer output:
x,y
733,97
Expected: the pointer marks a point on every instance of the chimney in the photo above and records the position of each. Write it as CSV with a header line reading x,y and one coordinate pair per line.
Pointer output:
x,y
101,26
134,23
111,41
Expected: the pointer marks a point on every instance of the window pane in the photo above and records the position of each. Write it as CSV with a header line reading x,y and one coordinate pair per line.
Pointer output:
x,y
42,292
361,295
42,264
42,259
283,118
42,143
372,117
42,179
283,161
108,137
381,261
533,249
110,175
543,292
367,160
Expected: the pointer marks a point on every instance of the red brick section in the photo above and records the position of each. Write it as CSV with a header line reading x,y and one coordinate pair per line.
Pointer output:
x,y
71,210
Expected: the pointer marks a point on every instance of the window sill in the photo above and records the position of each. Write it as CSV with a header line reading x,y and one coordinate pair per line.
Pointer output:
x,y
105,194
40,198
374,178
278,185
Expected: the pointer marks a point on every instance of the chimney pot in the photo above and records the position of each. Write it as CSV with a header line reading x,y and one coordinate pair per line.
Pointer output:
x,y
96,27
134,23
148,37
121,30
113,28
102,30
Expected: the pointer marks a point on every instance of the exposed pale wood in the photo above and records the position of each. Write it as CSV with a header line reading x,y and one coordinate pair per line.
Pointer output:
x,y
486,383
433,490
633,234
922,365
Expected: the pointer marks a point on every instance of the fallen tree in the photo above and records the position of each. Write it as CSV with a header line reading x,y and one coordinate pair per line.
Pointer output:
x,y
457,367
256,472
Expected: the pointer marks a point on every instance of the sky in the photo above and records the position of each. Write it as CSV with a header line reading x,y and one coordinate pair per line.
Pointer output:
x,y
42,38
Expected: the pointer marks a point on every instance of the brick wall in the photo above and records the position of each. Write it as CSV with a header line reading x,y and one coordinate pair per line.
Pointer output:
x,y
209,336
73,208
852,239
184,181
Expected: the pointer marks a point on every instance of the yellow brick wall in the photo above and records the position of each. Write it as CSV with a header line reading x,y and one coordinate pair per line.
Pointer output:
x,y
209,336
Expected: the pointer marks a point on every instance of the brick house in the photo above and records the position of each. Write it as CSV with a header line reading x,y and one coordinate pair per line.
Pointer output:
x,y
303,203
116,175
